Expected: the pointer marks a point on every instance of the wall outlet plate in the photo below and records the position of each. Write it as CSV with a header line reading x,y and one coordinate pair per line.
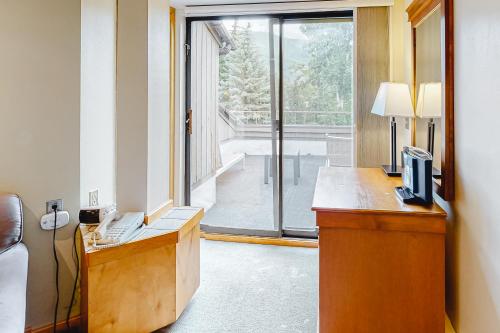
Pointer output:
x,y
50,203
94,198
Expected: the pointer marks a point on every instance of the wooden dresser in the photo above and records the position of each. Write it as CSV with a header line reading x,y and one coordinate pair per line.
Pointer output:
x,y
381,261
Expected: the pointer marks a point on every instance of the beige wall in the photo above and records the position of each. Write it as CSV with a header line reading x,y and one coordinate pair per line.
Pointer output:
x,y
58,116
473,239
98,95
40,133
474,274
400,65
372,66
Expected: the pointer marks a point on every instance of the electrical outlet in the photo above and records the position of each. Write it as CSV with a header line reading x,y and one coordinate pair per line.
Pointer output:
x,y
94,198
50,203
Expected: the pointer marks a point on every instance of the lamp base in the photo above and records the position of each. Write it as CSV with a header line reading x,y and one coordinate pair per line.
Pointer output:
x,y
389,171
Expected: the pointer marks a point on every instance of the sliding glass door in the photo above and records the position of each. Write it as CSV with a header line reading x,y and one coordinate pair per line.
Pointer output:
x,y
255,141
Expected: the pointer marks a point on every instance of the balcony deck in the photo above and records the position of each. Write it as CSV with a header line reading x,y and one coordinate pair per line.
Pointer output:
x,y
245,201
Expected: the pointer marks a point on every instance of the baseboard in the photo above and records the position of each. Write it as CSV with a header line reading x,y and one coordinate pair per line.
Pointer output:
x,y
449,327
261,240
158,213
74,322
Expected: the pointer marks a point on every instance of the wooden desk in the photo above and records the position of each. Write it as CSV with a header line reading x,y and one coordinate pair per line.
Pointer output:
x,y
146,283
381,261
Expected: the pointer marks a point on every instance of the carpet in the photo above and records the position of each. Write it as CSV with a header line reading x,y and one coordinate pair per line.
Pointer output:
x,y
253,288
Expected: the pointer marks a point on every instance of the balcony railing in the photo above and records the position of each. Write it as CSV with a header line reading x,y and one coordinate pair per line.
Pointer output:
x,y
291,118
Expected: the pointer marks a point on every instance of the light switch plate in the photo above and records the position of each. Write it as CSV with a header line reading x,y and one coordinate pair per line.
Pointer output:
x,y
94,198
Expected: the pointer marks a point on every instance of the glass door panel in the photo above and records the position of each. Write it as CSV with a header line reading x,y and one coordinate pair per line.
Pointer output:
x,y
318,110
233,164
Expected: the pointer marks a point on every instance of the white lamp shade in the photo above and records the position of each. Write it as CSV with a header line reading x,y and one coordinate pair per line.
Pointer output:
x,y
393,100
429,100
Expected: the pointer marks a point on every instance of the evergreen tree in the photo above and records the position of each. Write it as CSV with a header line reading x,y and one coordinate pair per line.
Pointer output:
x,y
244,81
324,82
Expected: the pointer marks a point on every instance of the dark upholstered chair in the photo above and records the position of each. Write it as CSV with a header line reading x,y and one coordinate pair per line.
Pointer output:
x,y
13,265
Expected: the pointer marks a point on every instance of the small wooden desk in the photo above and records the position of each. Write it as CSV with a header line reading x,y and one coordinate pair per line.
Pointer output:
x,y
381,261
145,284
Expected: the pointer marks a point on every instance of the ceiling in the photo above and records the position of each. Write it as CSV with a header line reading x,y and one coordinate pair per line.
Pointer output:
x,y
187,3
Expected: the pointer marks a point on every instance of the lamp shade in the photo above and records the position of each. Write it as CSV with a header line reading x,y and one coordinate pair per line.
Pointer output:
x,y
393,100
429,100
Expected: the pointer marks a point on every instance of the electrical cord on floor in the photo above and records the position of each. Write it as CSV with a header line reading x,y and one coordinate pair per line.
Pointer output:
x,y
76,277
54,208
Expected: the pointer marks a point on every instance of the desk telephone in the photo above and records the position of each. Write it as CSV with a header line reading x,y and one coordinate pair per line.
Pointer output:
x,y
113,232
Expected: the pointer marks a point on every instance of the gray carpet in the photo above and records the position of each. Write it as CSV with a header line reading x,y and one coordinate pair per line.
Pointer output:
x,y
253,288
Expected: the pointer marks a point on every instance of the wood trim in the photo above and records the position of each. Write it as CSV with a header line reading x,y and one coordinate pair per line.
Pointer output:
x,y
292,242
158,213
447,188
418,10
173,43
74,322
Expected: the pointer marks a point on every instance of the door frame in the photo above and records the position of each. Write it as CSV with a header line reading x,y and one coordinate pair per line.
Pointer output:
x,y
280,18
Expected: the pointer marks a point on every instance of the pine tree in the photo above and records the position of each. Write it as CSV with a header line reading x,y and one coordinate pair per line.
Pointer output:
x,y
324,83
244,81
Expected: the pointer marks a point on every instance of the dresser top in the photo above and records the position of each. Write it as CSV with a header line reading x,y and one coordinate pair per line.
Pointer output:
x,y
363,191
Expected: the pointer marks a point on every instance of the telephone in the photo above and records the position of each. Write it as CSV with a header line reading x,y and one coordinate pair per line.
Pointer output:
x,y
112,232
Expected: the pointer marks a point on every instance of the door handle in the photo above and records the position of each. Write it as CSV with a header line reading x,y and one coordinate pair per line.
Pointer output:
x,y
189,121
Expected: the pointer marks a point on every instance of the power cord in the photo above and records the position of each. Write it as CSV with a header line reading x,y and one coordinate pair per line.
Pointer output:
x,y
76,277
54,208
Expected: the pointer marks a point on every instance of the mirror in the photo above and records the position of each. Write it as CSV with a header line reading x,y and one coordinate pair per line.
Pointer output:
x,y
433,70
428,88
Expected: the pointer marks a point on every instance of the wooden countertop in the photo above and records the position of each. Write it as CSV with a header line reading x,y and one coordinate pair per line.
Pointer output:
x,y
363,191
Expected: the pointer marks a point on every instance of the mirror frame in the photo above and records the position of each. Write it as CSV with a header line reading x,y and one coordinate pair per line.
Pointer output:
x,y
418,11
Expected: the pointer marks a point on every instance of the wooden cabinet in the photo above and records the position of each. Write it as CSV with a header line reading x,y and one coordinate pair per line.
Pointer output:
x,y
144,284
381,261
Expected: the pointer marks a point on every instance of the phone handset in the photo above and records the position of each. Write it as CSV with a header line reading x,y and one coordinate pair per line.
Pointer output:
x,y
100,231
116,232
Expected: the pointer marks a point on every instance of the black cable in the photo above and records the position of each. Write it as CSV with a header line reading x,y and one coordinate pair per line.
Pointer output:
x,y
76,277
57,266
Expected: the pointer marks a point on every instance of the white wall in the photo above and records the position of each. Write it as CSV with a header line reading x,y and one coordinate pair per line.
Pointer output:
x,y
158,104
142,114
40,133
98,95
475,232
132,105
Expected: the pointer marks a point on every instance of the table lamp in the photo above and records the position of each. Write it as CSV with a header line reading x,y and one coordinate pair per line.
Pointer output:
x,y
393,100
429,106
